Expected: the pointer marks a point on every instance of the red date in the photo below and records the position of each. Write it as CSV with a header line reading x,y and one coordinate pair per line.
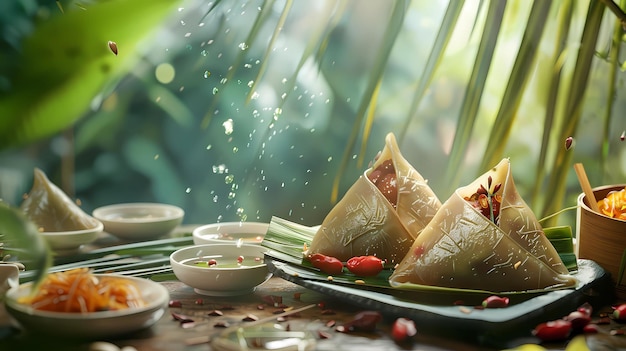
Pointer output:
x,y
556,330
619,313
365,266
494,301
327,264
403,329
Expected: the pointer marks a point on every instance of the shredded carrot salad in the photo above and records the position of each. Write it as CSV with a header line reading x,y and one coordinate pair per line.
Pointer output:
x,y
614,204
78,290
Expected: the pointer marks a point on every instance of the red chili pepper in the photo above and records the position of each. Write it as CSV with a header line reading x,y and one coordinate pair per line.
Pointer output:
x,y
327,264
559,329
403,329
619,313
494,301
365,266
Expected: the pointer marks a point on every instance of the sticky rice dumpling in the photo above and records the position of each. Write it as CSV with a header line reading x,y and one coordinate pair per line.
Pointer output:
x,y
381,214
484,237
51,209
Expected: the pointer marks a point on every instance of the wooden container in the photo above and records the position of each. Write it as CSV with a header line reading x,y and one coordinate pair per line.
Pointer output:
x,y
601,238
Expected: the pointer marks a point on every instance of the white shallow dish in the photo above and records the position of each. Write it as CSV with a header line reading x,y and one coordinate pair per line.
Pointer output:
x,y
139,221
228,232
93,325
70,241
219,280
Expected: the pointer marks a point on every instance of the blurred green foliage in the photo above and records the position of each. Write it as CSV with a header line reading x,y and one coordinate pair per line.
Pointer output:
x,y
268,104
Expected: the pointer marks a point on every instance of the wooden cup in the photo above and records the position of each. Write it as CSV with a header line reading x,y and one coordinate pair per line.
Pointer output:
x,y
601,238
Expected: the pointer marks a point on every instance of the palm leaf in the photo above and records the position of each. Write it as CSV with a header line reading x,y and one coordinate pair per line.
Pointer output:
x,y
50,94
573,106
475,87
618,31
434,58
395,24
518,79
566,11
270,47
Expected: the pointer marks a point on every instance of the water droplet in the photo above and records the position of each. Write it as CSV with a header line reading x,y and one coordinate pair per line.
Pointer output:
x,y
243,46
250,83
330,158
235,149
231,195
215,198
215,90
220,169
188,190
229,179
228,126
223,80
204,53
187,35
255,96
209,147
156,157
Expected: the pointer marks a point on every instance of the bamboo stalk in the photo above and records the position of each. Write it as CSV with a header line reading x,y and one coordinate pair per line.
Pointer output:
x,y
584,184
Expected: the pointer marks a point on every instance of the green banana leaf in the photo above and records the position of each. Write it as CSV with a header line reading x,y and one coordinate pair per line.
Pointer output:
x,y
67,62
287,242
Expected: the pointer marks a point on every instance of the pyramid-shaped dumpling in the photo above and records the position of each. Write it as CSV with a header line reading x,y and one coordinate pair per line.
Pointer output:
x,y
484,237
368,221
51,209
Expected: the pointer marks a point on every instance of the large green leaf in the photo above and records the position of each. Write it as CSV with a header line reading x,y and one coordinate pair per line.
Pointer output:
x,y
20,242
67,62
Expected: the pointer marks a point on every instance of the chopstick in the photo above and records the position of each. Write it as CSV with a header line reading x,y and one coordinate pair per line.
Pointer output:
x,y
584,184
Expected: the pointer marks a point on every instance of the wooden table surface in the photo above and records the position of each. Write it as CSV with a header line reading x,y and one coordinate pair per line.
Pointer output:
x,y
170,334
321,320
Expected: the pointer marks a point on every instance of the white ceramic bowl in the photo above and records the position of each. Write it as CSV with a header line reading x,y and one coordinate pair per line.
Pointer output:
x,y
226,278
229,232
72,240
92,325
139,221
